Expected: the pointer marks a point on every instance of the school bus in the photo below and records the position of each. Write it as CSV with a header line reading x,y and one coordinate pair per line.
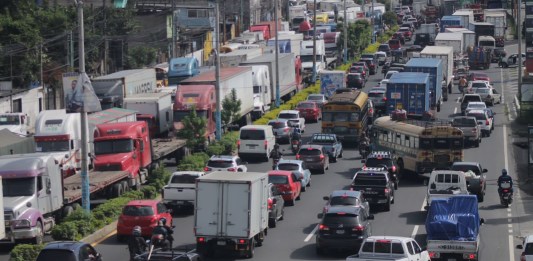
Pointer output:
x,y
419,146
346,115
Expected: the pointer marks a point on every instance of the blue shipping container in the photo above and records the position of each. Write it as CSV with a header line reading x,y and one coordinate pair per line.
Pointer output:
x,y
450,21
432,66
408,91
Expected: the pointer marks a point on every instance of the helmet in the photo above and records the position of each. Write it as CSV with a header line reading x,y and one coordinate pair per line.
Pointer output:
x,y
276,146
136,231
163,220
504,172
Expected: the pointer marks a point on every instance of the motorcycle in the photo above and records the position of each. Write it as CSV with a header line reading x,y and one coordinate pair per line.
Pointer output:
x,y
506,198
364,150
295,146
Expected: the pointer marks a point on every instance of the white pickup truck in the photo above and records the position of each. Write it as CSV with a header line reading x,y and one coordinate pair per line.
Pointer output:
x,y
390,248
445,184
294,117
181,189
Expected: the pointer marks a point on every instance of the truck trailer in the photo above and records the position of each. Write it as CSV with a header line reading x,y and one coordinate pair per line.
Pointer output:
x,y
433,66
111,89
445,54
409,91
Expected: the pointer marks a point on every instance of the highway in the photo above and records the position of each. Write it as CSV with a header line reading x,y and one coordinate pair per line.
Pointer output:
x,y
293,238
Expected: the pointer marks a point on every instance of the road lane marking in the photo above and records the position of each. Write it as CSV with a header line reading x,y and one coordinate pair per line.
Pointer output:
x,y
455,110
457,100
509,213
511,248
311,234
104,238
503,84
415,229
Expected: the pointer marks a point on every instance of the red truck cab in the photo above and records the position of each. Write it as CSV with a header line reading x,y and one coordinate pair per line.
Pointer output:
x,y
123,146
200,97
153,127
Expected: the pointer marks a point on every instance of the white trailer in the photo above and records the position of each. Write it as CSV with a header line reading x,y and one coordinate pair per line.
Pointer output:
x,y
111,89
307,56
429,29
295,44
262,91
27,102
499,22
455,40
469,37
231,212
467,17
233,58
445,53
155,108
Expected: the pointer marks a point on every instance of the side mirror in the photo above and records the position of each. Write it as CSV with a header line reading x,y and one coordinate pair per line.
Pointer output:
x,y
320,215
66,156
485,171
325,198
519,247
370,217
481,221
274,201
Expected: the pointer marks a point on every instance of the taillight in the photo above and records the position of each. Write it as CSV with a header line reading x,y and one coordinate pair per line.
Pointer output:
x,y
371,111
286,129
321,157
238,144
266,144
232,169
295,142
297,156
505,190
386,191
200,239
487,122
474,130
358,228
207,169
393,168
469,256
432,255
323,227
242,241
384,98
269,203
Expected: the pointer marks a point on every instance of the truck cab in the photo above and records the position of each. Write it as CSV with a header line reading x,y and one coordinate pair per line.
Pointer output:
x,y
307,56
445,184
182,68
16,122
486,42
199,97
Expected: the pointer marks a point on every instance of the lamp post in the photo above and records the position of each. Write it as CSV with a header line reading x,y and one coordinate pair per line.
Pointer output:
x,y
218,114
519,32
345,53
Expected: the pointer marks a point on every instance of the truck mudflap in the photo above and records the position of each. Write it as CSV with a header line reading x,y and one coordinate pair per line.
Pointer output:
x,y
453,249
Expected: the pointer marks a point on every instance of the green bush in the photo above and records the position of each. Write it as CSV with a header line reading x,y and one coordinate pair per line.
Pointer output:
x,y
159,177
25,252
194,162
149,191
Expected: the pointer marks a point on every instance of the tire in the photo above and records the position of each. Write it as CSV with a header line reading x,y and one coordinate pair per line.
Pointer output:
x,y
299,196
76,206
309,183
290,202
396,185
480,197
38,240
251,251
476,144
117,190
282,213
272,222
304,188
125,186
387,206
340,154
334,159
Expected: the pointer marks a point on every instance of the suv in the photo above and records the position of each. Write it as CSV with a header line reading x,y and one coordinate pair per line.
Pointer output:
x,y
282,129
343,227
355,80
276,205
483,120
68,250
384,159
376,185
469,98
315,156
379,98
330,142
226,163
346,198
293,116
470,128
384,48
371,65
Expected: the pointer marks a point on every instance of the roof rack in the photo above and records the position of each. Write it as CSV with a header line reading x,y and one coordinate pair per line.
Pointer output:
x,y
343,96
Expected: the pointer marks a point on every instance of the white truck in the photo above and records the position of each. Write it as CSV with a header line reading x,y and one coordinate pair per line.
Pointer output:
x,y
455,40
262,91
295,42
16,122
469,37
445,184
429,29
499,22
155,109
111,89
390,248
445,53
231,212
467,17
180,191
307,57
233,58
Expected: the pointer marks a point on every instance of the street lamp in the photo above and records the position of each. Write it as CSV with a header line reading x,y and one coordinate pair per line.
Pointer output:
x,y
218,114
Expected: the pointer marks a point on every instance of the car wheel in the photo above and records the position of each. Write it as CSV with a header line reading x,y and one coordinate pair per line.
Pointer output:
x,y
272,222
299,196
387,206
480,197
304,188
340,154
290,202
395,185
320,251
333,159
282,213
309,183
476,144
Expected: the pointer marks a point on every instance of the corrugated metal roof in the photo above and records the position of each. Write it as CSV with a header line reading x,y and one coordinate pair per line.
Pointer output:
x,y
225,73
409,77
234,176
423,62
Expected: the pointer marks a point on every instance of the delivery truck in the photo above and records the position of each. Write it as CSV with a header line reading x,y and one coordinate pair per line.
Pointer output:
x,y
234,58
111,89
467,17
499,22
445,54
451,21
155,109
455,40
331,81
433,66
409,91
231,213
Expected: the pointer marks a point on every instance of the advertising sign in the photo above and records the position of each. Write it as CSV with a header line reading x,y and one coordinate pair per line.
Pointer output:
x,y
79,94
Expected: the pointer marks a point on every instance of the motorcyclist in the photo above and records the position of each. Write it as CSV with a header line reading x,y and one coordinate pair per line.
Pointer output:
x,y
276,155
166,231
505,178
364,142
136,243
296,133
462,84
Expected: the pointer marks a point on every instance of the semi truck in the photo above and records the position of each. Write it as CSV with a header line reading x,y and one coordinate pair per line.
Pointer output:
x,y
469,37
293,45
182,68
409,91
445,54
431,30
455,40
467,17
234,58
482,29
231,213
331,81
479,58
16,122
307,59
499,22
432,66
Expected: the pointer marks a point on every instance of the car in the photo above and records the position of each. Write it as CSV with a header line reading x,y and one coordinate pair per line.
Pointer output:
x,y
470,128
512,60
359,69
483,120
497,53
381,88
491,114
68,251
379,99
467,98
385,67
282,129
474,76
143,213
330,142
395,44
477,84
343,227
364,64
376,185
293,116
310,111
415,48
477,185
399,36
414,21
370,62
355,80
384,48
319,99
421,39
287,183
346,198
276,205
180,191
315,157
407,33
527,248
381,57
370,112
387,160
299,168
225,163
369,55
389,74
475,106
489,95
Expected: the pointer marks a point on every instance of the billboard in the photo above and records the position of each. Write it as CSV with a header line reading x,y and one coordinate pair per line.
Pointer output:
x,y
79,94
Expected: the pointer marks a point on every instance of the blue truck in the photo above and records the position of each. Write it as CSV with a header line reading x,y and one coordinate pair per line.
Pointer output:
x,y
450,21
434,67
182,68
452,227
408,91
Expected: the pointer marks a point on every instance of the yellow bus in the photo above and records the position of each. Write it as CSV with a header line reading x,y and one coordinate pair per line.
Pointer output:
x,y
346,115
322,18
419,146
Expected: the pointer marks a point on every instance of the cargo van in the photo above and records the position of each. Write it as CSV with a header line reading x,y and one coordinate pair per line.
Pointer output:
x,y
256,141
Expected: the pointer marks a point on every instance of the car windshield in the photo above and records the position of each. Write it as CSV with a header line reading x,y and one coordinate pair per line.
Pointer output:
x,y
343,201
138,211
56,254
277,124
9,120
528,249
471,98
306,105
18,187
482,90
288,166
220,163
375,94
464,122
314,98
309,152
49,146
278,179
183,179
113,146
288,116
252,135
478,85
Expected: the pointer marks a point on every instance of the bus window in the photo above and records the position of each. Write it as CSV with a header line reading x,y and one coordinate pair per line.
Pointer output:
x,y
415,143
399,139
327,116
354,116
457,144
341,116
407,141
425,143
383,136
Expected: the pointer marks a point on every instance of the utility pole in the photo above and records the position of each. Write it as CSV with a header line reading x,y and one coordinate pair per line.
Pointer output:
x,y
241,23
345,52
45,91
373,21
277,52
217,73
519,32
174,36
313,80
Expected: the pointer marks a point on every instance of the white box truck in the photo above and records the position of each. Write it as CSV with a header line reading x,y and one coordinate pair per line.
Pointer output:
x,y
455,40
499,22
467,17
111,89
155,109
445,53
231,213
233,58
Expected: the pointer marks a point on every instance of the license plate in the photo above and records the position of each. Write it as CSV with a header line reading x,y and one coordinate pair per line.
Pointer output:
x,y
340,231
370,192
308,159
452,259
251,145
221,243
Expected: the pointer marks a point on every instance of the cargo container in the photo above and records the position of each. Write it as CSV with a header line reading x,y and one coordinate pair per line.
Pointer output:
x,y
111,89
234,58
455,40
409,91
432,66
469,37
499,22
445,54
451,21
467,17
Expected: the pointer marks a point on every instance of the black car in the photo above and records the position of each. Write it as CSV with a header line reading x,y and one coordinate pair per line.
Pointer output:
x,y
355,80
343,228
385,159
276,205
384,48
68,251
379,99
376,185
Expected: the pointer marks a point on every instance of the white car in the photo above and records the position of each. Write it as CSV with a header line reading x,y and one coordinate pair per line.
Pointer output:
x,y
527,248
294,117
225,163
389,74
477,84
475,106
489,95
483,120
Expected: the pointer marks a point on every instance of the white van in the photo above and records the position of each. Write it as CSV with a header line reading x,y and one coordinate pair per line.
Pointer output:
x,y
256,141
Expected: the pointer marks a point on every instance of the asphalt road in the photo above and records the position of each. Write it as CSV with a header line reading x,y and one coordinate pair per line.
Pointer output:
x,y
293,238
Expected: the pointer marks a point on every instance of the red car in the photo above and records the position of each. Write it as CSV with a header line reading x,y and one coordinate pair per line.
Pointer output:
x,y
143,213
358,69
309,110
394,44
287,183
475,76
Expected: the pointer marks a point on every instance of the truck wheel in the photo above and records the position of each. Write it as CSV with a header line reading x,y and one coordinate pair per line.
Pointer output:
x,y
125,186
438,107
251,249
40,234
67,211
272,222
480,197
117,190
76,206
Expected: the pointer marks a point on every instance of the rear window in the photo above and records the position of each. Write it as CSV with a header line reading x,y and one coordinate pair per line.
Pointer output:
x,y
353,77
478,85
56,254
288,116
482,90
384,247
306,105
277,125
288,166
220,163
323,139
464,122
138,211
528,249
309,152
375,162
479,116
340,218
465,168
376,94
184,179
252,135
368,180
277,179
477,106
343,201
470,98
314,98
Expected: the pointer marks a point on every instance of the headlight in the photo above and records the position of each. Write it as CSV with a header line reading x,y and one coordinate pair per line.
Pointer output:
x,y
21,223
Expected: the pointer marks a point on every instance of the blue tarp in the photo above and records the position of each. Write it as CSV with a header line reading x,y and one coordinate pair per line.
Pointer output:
x,y
454,218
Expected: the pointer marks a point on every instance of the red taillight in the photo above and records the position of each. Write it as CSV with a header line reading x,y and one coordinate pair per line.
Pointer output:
x,y
471,256
232,169
384,98
269,203
393,168
242,241
386,191
431,254
286,129
266,144
505,190
297,156
371,111
487,122
295,142
238,144
523,256
200,239
207,169
321,157
358,228
323,227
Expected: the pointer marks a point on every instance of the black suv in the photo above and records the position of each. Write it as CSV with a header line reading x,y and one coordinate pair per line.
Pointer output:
x,y
343,227
384,159
376,186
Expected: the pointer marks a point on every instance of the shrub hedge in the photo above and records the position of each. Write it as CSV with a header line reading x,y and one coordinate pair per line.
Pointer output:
x,y
25,252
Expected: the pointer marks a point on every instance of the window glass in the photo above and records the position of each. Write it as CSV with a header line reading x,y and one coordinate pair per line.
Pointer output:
x,y
252,134
278,179
397,248
410,248
417,248
184,179
528,250
288,166
138,211
161,208
368,247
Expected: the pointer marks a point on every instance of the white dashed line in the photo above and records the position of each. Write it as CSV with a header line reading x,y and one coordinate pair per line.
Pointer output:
x,y
455,110
311,234
415,229
509,213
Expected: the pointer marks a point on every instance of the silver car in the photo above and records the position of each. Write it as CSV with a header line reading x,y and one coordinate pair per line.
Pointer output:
x,y
282,130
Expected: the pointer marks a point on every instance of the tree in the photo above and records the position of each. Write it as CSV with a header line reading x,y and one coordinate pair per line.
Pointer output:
x,y
194,128
140,56
359,36
390,18
231,107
